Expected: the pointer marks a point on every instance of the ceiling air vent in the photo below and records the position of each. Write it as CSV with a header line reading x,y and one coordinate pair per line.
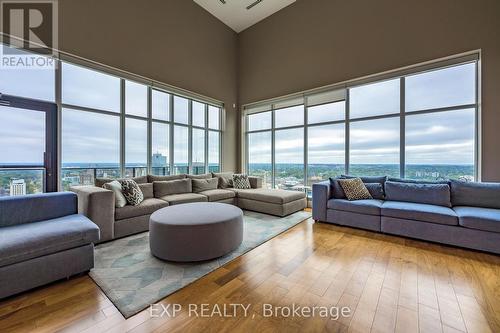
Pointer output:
x,y
253,4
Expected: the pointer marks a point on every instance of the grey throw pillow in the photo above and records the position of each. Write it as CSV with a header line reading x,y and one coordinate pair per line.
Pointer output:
x,y
240,181
131,192
200,185
116,187
225,179
170,187
376,190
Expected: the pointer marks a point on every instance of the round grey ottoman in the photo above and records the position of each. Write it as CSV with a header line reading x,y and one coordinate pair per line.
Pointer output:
x,y
195,231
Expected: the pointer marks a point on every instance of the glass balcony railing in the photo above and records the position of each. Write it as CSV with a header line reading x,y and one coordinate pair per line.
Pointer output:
x,y
21,181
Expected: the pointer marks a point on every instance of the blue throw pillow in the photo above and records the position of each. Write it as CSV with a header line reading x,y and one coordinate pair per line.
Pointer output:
x,y
376,190
336,189
432,194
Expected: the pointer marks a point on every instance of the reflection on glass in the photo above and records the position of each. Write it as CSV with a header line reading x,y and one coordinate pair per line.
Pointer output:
x,y
89,88
440,145
181,110
259,156
213,117
160,105
136,143
213,151
374,99
441,88
375,147
198,152
22,137
198,114
289,151
160,149
291,116
259,121
181,138
326,152
136,99
36,83
326,112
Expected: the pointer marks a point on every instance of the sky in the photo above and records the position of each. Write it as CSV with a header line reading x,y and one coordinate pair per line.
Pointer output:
x,y
441,138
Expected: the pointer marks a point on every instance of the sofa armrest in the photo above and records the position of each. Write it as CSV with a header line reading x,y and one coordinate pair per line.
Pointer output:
x,y
320,197
98,204
255,182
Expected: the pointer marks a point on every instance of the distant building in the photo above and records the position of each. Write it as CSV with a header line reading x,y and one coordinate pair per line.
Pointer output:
x,y
86,179
158,160
17,187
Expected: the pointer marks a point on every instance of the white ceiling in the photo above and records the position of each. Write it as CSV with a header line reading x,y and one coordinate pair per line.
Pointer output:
x,y
234,13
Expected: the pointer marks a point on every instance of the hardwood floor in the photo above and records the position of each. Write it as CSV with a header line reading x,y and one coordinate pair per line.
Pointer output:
x,y
390,284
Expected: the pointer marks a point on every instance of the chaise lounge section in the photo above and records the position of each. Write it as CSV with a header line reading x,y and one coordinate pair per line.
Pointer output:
x,y
162,191
464,214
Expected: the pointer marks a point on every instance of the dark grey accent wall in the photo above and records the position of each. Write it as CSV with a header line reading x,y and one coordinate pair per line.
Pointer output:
x,y
173,41
312,43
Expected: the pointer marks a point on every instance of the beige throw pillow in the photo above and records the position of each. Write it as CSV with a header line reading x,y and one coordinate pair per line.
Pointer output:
x,y
200,185
354,189
116,187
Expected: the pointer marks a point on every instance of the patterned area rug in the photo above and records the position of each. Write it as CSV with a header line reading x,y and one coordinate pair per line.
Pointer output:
x,y
133,279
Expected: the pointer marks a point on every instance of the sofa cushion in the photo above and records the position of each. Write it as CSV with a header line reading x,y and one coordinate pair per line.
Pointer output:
x,y
203,176
175,199
432,194
487,219
163,188
36,207
225,179
419,212
218,194
376,190
485,195
148,206
200,185
154,178
368,179
147,190
369,206
336,189
99,182
270,195
32,240
417,181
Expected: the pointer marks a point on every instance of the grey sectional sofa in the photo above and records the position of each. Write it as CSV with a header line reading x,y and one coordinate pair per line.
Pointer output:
x,y
464,214
98,203
43,239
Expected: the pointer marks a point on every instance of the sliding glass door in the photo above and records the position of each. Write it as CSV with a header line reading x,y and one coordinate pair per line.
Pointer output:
x,y
28,147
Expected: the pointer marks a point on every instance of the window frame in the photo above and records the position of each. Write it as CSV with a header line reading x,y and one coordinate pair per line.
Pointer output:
x,y
401,74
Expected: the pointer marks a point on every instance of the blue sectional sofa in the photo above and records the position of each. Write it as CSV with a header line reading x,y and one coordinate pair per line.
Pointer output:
x,y
43,239
464,214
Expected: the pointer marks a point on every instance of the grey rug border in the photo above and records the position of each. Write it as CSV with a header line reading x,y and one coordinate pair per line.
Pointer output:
x,y
190,283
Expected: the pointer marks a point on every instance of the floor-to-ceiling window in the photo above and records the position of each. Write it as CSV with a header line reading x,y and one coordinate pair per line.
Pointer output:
x,y
421,125
108,125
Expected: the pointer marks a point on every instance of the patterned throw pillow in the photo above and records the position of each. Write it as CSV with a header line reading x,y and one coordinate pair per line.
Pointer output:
x,y
354,189
240,181
131,192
